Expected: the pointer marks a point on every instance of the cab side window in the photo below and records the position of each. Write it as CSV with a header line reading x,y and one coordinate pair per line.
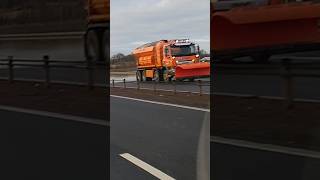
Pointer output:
x,y
166,51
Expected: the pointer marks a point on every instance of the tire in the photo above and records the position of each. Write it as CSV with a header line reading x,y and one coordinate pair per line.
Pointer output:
x,y
143,75
106,46
92,45
139,76
96,44
156,75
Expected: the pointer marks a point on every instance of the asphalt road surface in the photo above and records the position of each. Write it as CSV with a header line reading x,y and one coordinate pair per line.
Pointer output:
x,y
38,147
165,137
240,163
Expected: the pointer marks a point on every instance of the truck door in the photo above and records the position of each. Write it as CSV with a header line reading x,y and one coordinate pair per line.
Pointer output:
x,y
167,59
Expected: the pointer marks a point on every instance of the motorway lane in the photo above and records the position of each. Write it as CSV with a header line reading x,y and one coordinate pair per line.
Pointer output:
x,y
240,163
37,147
163,136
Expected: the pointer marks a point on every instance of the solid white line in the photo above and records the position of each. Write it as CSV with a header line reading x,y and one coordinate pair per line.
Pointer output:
x,y
162,103
158,90
266,97
147,167
266,147
56,115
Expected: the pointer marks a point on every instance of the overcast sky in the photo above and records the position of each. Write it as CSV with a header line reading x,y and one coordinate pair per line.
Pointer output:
x,y
135,22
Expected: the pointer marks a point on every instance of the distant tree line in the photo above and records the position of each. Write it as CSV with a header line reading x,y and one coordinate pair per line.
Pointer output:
x,y
203,53
121,58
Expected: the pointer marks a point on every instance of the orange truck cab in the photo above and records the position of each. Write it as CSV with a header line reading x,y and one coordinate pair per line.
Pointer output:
x,y
158,60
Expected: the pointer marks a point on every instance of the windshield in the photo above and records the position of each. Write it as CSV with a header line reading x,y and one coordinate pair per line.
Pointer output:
x,y
183,50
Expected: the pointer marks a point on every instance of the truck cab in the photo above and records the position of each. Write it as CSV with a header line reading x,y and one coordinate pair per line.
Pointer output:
x,y
179,52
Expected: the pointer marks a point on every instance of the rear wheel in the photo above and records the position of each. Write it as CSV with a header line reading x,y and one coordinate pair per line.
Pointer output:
x,y
156,75
143,75
92,45
106,46
139,76
97,44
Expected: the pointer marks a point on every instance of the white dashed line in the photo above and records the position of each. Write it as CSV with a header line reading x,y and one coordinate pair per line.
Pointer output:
x,y
56,115
266,147
147,167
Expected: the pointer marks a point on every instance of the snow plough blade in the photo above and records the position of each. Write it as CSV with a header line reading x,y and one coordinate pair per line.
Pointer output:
x,y
194,70
281,28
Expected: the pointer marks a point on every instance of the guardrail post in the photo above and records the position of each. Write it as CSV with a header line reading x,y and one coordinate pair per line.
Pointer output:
x,y
47,70
124,83
288,84
10,66
90,73
112,82
138,85
154,87
200,87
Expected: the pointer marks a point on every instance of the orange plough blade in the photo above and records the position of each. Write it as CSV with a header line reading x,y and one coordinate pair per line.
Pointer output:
x,y
194,70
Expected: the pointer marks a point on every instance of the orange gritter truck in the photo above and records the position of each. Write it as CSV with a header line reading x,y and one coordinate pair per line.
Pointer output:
x,y
97,33
263,28
166,60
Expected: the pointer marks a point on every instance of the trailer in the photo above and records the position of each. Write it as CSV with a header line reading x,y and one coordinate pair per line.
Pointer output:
x,y
97,37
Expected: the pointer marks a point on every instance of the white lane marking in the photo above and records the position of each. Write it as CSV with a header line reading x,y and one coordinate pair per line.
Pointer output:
x,y
147,167
166,90
265,97
266,147
162,103
203,153
56,115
